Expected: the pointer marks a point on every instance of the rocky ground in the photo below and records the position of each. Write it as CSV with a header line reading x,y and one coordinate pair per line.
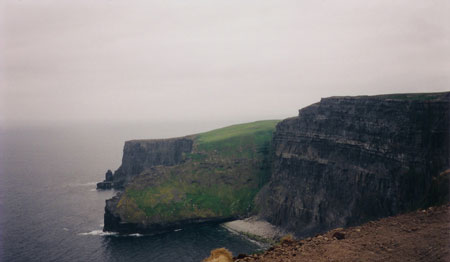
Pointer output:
x,y
423,235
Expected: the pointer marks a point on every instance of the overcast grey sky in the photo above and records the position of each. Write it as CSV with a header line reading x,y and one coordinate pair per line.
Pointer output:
x,y
97,60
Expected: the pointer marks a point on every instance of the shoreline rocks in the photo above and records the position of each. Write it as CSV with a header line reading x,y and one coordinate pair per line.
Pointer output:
x,y
256,229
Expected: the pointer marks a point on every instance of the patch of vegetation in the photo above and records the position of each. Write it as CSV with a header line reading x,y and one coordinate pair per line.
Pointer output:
x,y
176,200
196,156
237,130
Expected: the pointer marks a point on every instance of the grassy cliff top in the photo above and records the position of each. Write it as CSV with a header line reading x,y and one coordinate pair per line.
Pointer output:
x,y
221,133
237,141
236,130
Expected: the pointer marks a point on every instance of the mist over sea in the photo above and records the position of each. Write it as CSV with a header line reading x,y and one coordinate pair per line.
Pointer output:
x,y
50,210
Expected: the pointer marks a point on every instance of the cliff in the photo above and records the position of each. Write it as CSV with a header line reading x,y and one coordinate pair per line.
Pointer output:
x,y
340,162
139,155
347,160
213,176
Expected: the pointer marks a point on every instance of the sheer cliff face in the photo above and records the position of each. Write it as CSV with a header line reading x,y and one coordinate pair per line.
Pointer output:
x,y
139,155
350,159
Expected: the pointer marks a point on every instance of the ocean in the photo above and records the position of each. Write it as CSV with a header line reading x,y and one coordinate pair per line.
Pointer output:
x,y
51,211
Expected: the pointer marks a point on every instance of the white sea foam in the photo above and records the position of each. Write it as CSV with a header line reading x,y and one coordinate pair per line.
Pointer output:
x,y
89,184
83,184
98,233
176,230
101,233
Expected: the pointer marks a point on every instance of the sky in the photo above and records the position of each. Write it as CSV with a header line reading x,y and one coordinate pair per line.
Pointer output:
x,y
76,61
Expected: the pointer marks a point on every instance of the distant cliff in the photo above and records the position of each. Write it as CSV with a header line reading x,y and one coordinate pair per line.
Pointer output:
x,y
347,160
212,176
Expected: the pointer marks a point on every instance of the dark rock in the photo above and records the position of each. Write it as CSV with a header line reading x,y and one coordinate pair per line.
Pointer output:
x,y
339,235
347,160
112,221
240,256
109,176
108,182
104,185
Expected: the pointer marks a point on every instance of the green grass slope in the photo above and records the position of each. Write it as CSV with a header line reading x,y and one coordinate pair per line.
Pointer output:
x,y
218,179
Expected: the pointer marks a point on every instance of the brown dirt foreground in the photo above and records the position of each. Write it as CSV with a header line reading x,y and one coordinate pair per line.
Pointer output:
x,y
423,235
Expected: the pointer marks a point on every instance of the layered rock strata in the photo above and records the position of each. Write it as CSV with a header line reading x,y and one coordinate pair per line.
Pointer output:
x,y
347,160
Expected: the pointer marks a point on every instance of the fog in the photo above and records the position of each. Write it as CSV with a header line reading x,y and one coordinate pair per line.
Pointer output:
x,y
227,61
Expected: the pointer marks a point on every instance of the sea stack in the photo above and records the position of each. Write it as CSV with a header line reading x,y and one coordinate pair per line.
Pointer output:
x,y
108,182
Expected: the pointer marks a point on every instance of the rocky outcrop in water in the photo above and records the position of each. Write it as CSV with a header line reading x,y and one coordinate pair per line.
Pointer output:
x,y
347,160
108,182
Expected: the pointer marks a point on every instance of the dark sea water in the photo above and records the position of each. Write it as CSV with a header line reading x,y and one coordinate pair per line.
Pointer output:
x,y
50,210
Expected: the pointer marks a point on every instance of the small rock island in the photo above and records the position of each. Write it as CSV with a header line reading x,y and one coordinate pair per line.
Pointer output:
x,y
108,182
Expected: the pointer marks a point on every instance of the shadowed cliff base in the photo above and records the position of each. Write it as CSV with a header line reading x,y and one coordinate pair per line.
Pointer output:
x,y
422,235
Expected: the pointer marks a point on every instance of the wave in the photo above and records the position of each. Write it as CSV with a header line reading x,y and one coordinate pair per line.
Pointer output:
x,y
101,233
98,233
84,184
135,235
